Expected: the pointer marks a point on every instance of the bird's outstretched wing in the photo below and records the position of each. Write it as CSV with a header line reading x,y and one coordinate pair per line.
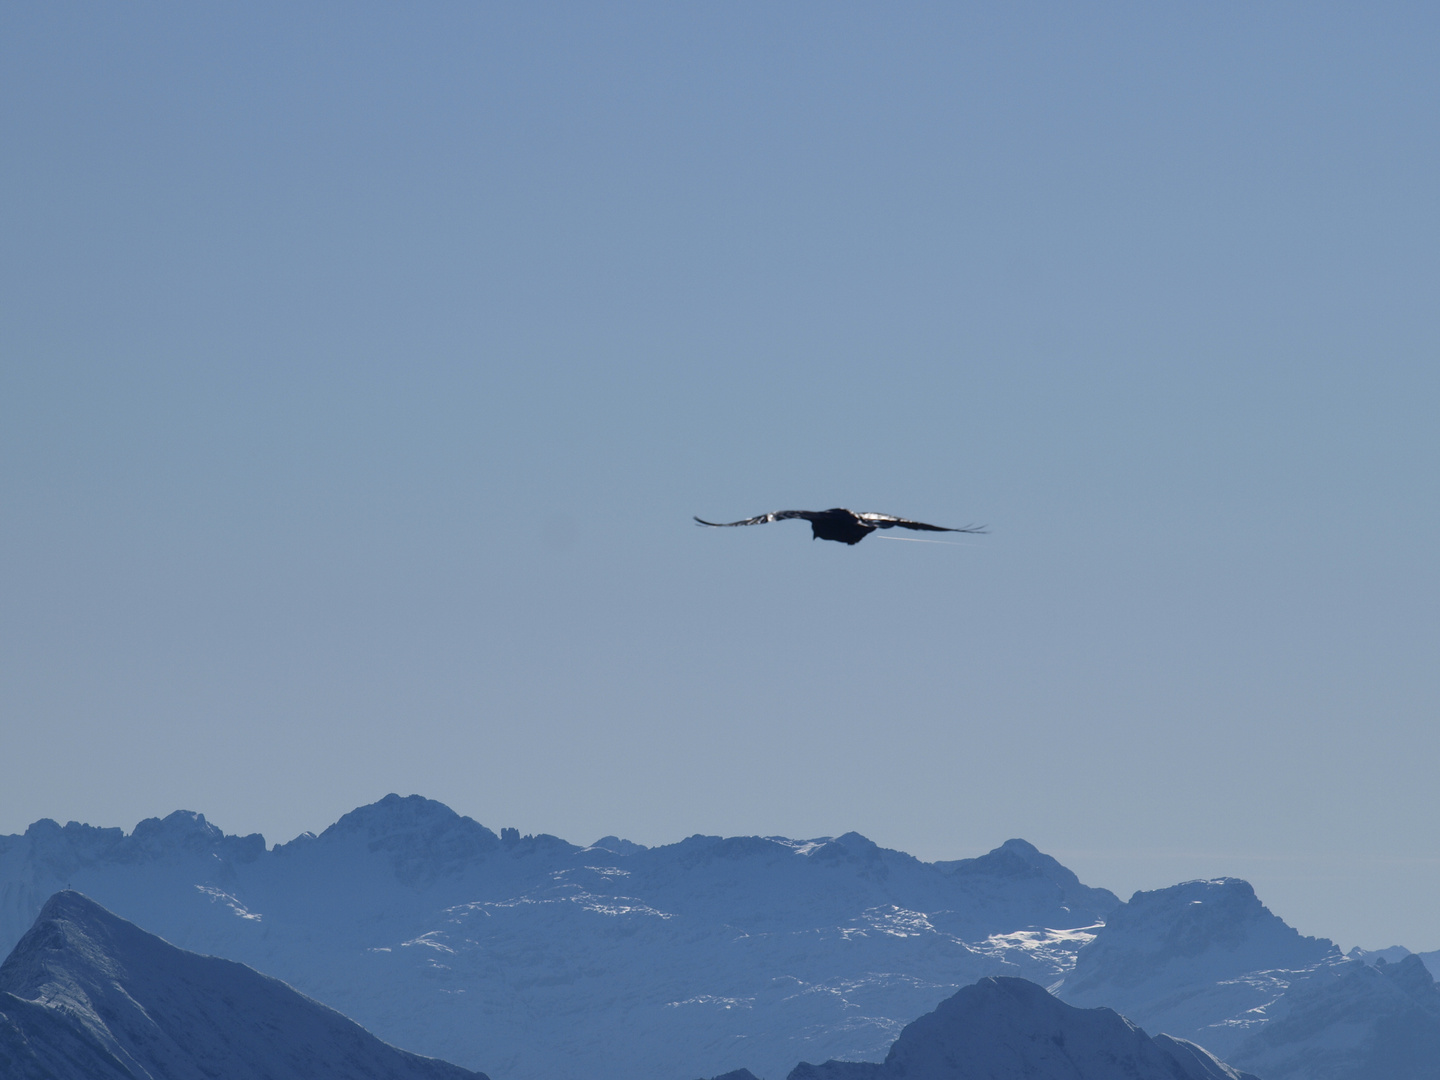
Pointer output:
x,y
885,521
779,515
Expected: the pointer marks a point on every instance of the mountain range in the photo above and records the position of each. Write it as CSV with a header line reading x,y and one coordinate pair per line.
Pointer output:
x,y
86,995
531,957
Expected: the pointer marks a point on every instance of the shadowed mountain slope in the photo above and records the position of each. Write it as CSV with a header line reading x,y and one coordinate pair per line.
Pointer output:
x,y
86,995
1011,1029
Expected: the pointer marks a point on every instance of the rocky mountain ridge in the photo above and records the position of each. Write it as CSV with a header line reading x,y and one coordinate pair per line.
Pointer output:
x,y
1206,960
532,957
1009,1029
86,995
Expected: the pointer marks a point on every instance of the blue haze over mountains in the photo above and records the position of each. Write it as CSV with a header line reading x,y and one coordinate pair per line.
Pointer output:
x,y
86,995
525,955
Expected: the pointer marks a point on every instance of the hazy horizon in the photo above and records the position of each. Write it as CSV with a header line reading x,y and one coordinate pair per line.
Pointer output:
x,y
1147,867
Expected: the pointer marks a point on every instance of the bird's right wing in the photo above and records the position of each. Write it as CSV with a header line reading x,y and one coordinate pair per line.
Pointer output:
x,y
779,515
888,521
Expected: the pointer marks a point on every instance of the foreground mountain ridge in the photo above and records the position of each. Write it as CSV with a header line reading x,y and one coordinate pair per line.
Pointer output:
x,y
86,995
1003,1028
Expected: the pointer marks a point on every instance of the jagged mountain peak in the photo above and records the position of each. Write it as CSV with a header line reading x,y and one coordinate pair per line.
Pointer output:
x,y
1204,959
178,824
1409,973
60,848
1018,862
1203,929
188,831
181,834
1349,1020
49,830
1391,955
87,994
69,926
1231,890
1217,914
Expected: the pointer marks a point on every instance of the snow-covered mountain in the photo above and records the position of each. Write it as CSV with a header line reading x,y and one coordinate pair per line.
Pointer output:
x,y
534,958
1207,961
1351,1021
531,957
1176,959
86,995
1011,1029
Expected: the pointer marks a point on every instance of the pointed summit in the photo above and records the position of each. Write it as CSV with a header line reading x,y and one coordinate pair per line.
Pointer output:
x,y
86,995
1059,897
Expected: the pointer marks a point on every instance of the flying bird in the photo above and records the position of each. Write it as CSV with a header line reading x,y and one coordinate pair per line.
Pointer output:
x,y
839,524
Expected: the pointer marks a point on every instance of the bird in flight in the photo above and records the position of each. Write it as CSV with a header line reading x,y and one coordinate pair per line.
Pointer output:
x,y
841,525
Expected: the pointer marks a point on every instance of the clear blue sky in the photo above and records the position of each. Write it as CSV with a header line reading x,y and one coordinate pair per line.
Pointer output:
x,y
361,367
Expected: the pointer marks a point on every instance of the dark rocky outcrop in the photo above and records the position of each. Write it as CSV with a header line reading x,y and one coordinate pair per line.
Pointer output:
x,y
1011,1029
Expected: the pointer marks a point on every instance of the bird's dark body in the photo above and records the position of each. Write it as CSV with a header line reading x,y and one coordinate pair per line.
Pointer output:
x,y
841,525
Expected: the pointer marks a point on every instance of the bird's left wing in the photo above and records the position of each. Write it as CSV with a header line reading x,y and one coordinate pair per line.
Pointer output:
x,y
885,521
779,515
